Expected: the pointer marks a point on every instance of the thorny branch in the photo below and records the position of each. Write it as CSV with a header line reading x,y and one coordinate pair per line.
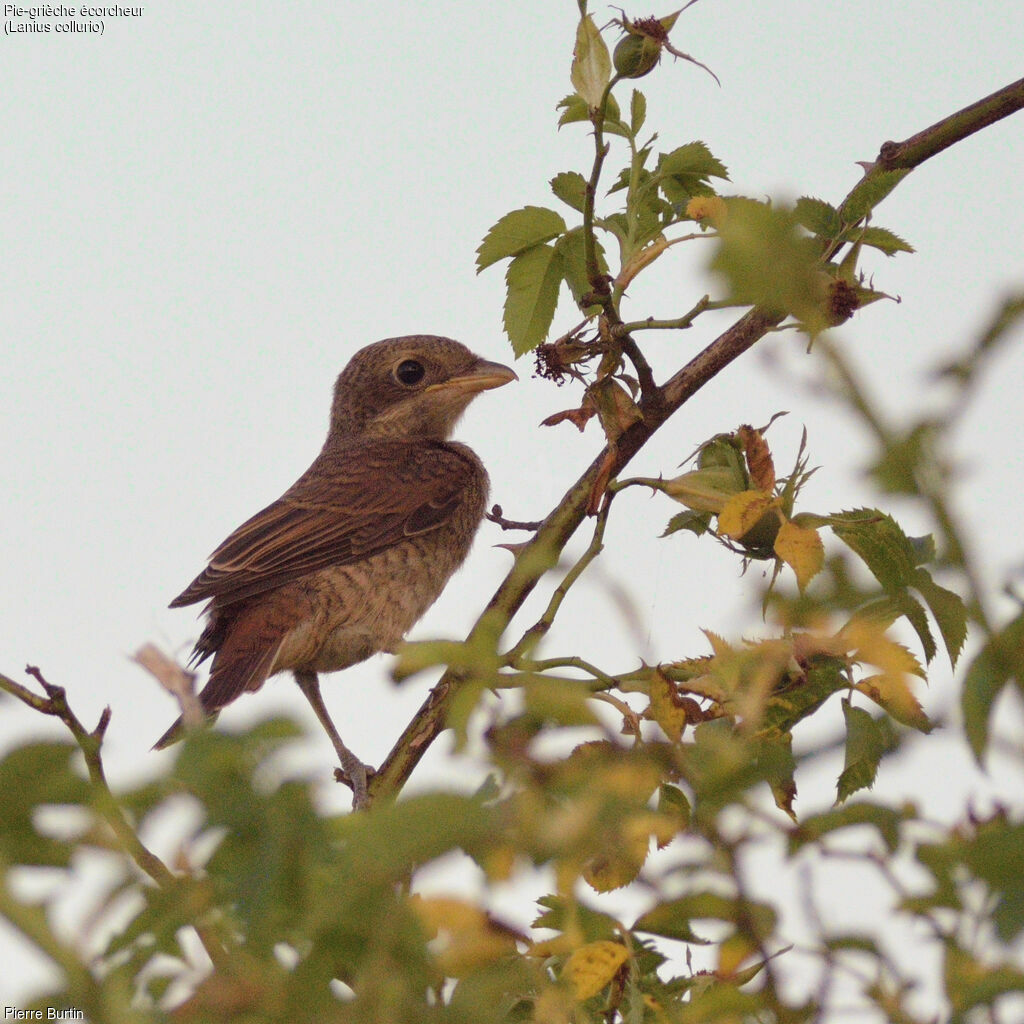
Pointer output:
x,y
657,405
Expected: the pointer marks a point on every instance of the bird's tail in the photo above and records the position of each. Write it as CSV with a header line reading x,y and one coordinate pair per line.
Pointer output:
x,y
236,669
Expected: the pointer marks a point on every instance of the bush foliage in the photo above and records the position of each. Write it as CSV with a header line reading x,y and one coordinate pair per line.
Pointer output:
x,y
273,910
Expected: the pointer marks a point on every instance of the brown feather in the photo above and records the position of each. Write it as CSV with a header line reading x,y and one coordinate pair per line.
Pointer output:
x,y
384,493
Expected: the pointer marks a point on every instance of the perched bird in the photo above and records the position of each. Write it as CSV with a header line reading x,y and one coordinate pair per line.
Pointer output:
x,y
361,545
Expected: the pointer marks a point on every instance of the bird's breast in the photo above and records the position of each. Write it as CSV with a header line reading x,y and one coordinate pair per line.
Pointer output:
x,y
360,609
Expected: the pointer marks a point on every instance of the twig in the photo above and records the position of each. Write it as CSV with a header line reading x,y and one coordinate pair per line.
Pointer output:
x,y
497,515
90,743
677,323
601,292
599,676
529,640
55,703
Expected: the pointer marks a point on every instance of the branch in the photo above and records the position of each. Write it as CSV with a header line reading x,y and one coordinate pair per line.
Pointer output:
x,y
89,743
541,553
925,144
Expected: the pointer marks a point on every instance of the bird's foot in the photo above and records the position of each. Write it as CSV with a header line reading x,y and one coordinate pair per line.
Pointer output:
x,y
356,775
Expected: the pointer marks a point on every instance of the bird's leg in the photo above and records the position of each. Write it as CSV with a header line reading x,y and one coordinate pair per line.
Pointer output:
x,y
309,684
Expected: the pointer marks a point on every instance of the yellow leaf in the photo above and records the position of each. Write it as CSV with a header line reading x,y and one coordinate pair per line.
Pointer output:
x,y
437,912
742,511
801,549
552,1006
558,946
499,863
593,966
868,640
719,644
704,490
464,936
465,954
892,693
732,952
666,707
623,857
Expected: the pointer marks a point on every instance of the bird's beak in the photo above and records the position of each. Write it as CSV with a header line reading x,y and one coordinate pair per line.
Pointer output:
x,y
483,376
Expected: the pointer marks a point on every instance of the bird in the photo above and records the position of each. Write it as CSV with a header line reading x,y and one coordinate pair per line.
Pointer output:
x,y
344,563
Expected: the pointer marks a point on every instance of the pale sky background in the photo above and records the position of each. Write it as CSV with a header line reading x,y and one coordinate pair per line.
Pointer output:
x,y
209,208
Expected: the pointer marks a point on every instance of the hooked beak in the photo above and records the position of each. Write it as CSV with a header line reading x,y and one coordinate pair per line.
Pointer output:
x,y
482,376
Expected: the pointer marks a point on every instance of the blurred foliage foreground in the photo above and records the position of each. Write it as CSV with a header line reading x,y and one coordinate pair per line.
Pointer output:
x,y
676,780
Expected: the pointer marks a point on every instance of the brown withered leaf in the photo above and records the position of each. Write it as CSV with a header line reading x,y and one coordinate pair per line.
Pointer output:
x,y
604,474
759,457
177,681
615,407
577,417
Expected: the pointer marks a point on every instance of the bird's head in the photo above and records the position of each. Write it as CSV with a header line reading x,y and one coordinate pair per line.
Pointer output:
x,y
416,386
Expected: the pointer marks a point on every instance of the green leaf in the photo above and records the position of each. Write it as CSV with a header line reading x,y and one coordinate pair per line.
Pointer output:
x,y
886,820
533,279
381,848
574,267
672,919
637,111
882,545
574,108
971,983
768,261
559,701
32,776
999,661
559,914
783,781
794,702
517,232
571,188
867,740
695,522
869,193
672,801
888,241
818,217
685,172
994,857
692,159
949,610
899,467
886,610
591,64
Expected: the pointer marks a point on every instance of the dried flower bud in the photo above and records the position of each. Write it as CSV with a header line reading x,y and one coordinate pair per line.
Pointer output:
x,y
843,301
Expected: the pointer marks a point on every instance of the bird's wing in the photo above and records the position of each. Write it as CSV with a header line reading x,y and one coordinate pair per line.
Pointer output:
x,y
348,505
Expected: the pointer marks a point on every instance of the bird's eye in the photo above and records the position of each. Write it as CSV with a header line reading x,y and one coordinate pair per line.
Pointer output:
x,y
409,372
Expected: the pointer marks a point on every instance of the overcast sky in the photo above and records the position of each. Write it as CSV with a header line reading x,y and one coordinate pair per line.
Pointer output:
x,y
208,208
